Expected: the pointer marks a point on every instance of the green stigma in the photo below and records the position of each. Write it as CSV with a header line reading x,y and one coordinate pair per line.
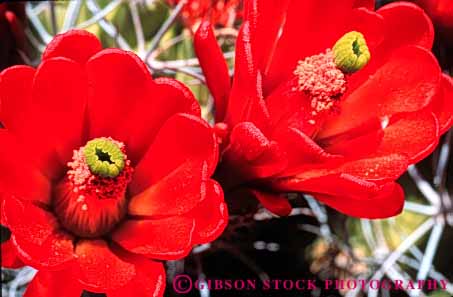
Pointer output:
x,y
104,157
351,52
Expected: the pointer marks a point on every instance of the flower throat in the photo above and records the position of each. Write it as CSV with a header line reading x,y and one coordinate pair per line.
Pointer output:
x,y
91,199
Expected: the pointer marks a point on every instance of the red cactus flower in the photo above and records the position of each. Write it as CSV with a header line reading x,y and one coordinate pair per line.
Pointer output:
x,y
220,12
12,37
105,171
328,99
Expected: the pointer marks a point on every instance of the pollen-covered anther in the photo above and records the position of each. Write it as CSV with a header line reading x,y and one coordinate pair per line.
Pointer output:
x,y
90,204
319,77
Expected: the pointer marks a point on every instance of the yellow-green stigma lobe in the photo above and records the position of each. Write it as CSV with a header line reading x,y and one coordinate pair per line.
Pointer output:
x,y
351,52
104,157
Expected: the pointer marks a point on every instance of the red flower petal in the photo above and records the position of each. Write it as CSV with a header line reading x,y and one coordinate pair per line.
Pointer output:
x,y
323,181
172,88
414,26
119,80
99,269
301,149
148,281
18,176
36,236
59,99
370,4
355,178
385,203
77,45
251,154
398,86
164,239
245,69
15,96
55,253
9,258
289,108
247,141
355,147
2,216
443,105
175,194
275,203
246,99
380,169
370,24
415,135
29,221
211,215
165,98
183,137
54,284
33,120
265,18
214,67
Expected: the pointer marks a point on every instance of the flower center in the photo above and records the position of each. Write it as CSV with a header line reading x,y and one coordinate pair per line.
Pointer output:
x,y
323,77
91,199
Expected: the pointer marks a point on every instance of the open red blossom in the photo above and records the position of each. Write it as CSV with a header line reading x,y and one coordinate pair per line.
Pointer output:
x,y
105,171
328,98
219,12
12,36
